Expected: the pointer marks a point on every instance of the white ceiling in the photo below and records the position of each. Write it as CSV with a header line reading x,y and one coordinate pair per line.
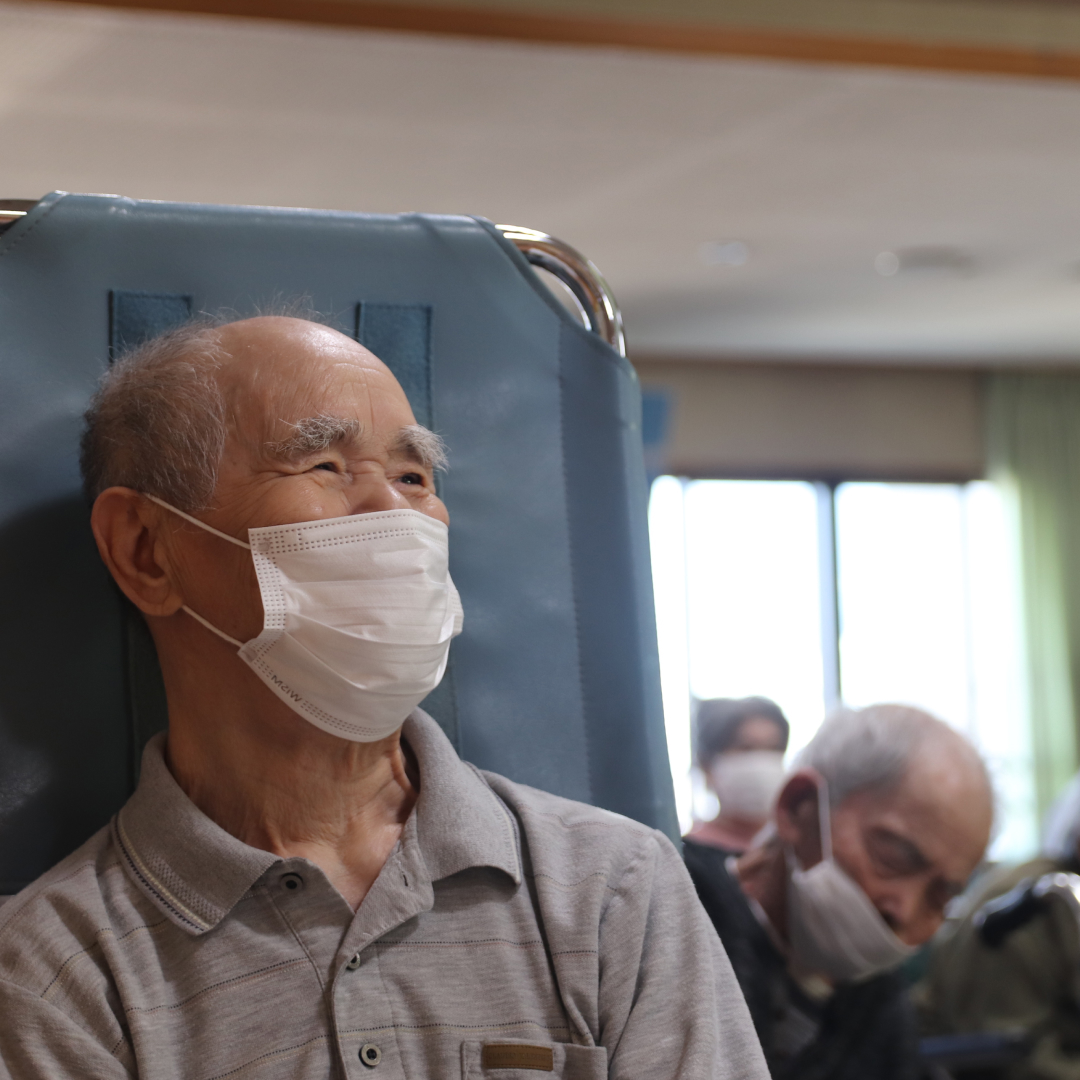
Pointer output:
x,y
638,159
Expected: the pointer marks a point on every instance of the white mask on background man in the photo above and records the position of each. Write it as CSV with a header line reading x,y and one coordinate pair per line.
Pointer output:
x,y
358,616
747,782
833,927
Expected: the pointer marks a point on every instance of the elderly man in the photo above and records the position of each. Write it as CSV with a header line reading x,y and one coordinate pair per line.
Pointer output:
x,y
879,826
308,882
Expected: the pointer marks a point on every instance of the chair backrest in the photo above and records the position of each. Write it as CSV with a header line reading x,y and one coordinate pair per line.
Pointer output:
x,y
555,680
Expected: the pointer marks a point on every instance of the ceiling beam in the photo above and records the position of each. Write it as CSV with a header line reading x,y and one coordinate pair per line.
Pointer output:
x,y
667,37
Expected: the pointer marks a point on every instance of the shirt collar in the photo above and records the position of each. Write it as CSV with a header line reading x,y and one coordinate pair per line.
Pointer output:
x,y
460,821
195,872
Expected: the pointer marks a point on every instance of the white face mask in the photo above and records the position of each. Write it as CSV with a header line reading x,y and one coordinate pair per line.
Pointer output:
x,y
747,782
358,616
833,927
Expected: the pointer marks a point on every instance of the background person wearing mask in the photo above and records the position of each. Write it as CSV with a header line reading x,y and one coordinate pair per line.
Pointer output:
x,y
881,823
1031,982
739,745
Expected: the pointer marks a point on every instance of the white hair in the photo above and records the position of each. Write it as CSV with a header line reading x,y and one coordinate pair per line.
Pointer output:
x,y
157,422
871,748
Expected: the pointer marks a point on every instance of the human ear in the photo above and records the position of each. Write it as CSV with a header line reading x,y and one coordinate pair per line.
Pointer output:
x,y
127,530
797,817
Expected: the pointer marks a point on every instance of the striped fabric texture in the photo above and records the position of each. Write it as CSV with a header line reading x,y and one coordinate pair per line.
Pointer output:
x,y
510,934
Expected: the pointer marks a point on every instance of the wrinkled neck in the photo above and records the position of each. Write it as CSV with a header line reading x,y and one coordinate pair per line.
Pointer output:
x,y
276,782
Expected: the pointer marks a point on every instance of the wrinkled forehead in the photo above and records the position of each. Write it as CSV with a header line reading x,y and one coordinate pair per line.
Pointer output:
x,y
276,375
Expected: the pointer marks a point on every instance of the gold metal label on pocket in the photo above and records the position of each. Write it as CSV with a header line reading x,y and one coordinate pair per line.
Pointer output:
x,y
517,1056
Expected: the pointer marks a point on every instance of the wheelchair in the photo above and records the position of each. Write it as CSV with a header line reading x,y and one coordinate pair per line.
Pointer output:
x,y
555,680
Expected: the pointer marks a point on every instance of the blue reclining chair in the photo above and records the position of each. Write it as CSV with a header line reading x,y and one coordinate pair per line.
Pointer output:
x,y
554,681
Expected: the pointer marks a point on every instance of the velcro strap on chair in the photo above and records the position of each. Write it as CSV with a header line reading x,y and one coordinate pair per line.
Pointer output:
x,y
135,317
400,336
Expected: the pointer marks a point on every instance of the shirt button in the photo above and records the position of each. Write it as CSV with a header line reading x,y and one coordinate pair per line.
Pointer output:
x,y
292,882
370,1055
354,962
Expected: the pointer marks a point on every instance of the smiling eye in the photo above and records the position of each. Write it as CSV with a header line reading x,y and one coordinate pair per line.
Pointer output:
x,y
412,478
330,466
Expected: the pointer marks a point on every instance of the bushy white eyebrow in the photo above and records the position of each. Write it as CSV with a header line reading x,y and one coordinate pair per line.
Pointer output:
x,y
315,433
423,446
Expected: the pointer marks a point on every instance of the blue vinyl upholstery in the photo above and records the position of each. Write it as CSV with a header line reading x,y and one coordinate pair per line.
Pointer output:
x,y
554,681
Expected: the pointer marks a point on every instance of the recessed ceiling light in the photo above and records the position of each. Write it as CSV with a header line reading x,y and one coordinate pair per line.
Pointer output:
x,y
886,263
928,259
724,253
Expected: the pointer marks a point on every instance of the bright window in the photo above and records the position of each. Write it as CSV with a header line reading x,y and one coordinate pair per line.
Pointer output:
x,y
923,610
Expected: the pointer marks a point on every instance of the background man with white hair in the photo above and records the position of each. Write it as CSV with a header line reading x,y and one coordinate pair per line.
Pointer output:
x,y
881,823
308,882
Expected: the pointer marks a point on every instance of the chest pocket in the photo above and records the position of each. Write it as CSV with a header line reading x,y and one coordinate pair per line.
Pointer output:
x,y
503,1059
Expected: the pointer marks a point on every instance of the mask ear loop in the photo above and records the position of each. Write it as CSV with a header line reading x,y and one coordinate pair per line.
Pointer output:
x,y
196,521
824,816
210,626
217,532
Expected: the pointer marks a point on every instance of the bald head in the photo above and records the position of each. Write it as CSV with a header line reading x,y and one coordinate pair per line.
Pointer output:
x,y
167,413
911,808
276,361
875,746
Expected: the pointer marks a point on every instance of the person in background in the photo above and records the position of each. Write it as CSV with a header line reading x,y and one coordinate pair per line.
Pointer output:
x,y
1030,983
881,823
739,746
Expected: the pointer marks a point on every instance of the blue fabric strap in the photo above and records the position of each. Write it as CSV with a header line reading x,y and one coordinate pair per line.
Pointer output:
x,y
400,336
135,317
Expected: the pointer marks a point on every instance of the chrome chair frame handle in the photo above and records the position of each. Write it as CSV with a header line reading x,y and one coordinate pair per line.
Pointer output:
x,y
578,274
12,210
9,217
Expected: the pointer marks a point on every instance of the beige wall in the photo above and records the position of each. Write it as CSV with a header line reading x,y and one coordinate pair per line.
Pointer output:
x,y
784,420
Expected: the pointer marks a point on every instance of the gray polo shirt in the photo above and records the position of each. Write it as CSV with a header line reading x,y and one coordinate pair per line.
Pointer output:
x,y
510,934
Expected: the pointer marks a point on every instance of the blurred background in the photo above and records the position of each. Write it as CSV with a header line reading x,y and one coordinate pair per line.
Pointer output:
x,y
845,235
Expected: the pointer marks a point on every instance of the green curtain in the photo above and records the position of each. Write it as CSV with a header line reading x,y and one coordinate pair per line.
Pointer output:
x,y
1033,453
